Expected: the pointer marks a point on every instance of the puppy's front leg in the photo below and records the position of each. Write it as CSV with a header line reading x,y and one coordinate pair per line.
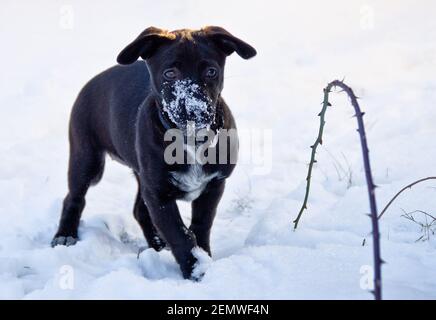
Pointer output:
x,y
204,211
166,218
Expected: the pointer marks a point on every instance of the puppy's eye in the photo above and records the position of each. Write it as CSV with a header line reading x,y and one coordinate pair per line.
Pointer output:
x,y
211,72
170,74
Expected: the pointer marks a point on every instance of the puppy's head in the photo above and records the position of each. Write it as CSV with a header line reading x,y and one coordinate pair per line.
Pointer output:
x,y
187,69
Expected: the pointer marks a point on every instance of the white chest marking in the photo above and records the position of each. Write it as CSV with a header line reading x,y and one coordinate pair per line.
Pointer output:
x,y
194,180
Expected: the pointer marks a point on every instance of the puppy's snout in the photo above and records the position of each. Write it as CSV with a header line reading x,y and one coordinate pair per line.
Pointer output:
x,y
188,101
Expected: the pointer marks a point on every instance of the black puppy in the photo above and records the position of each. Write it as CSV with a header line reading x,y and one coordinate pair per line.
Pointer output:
x,y
126,111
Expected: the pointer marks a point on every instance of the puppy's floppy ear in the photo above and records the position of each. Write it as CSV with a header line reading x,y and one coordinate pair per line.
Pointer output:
x,y
229,43
144,45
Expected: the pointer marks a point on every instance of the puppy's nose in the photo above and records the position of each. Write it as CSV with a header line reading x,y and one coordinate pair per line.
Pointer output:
x,y
203,114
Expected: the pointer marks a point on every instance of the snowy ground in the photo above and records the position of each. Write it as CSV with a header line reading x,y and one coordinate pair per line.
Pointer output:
x,y
385,50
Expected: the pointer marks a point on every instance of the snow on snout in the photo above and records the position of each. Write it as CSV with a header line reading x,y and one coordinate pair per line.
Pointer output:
x,y
188,103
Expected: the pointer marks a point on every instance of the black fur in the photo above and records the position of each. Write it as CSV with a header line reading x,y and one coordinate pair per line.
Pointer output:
x,y
119,112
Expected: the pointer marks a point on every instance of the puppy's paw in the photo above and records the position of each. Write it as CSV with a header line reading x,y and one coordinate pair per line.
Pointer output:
x,y
196,277
63,241
157,243
196,265
203,262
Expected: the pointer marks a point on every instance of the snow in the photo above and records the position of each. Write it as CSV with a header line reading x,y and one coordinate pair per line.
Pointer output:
x,y
386,53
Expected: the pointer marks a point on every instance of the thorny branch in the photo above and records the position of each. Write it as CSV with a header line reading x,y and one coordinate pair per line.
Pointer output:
x,y
369,180
409,186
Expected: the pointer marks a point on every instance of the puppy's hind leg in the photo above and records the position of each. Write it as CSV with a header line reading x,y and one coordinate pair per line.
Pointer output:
x,y
141,214
86,167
